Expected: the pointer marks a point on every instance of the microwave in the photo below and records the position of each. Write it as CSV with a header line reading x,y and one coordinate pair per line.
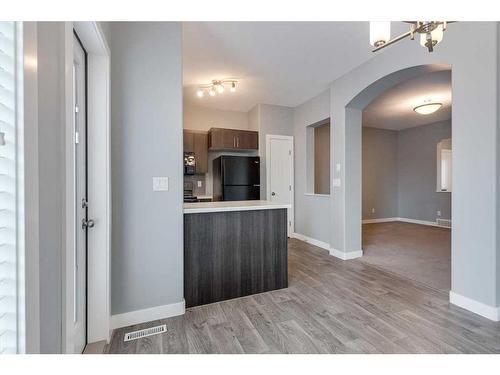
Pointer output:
x,y
189,163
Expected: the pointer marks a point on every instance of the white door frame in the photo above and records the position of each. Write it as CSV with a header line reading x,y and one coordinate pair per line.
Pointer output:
x,y
99,185
268,174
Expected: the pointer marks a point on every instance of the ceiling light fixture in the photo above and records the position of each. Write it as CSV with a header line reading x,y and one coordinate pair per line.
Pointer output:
x,y
427,108
431,33
216,87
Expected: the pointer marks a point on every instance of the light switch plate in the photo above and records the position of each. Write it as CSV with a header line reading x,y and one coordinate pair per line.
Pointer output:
x,y
336,182
200,184
160,183
337,167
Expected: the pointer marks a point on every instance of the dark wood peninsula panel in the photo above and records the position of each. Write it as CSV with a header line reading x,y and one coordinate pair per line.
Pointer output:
x,y
234,254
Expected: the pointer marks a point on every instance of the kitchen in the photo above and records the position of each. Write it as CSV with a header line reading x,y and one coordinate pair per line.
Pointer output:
x,y
235,242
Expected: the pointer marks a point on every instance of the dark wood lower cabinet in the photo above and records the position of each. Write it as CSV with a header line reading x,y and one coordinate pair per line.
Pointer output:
x,y
234,254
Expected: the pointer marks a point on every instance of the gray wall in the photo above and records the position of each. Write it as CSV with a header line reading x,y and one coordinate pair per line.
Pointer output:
x,y
146,141
399,173
417,196
312,214
380,173
51,176
322,159
475,148
272,119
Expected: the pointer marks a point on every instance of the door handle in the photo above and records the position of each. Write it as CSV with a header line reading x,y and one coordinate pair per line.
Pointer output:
x,y
234,142
87,224
238,141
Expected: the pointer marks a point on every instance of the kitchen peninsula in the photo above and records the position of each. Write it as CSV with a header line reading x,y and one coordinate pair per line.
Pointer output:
x,y
233,249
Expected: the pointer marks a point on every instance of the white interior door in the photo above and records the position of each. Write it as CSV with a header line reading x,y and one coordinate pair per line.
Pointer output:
x,y
279,162
81,204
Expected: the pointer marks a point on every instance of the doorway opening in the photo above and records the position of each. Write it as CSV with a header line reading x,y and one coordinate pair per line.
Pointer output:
x,y
406,178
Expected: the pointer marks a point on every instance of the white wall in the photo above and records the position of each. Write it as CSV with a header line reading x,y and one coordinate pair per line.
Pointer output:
x,y
203,118
146,141
312,214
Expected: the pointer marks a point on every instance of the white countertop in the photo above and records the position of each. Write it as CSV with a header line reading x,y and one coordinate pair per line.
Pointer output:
x,y
204,197
201,207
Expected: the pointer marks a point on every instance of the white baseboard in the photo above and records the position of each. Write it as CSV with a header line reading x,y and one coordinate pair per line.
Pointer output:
x,y
381,220
405,220
310,240
490,312
346,255
334,252
147,315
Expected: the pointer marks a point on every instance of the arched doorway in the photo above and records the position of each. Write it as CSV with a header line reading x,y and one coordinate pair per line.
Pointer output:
x,y
406,219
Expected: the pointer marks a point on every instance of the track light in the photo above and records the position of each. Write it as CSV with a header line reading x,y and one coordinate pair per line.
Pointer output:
x,y
216,87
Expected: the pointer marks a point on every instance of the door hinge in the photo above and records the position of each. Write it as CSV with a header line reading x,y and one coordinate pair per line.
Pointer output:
x,y
290,187
76,109
77,137
290,152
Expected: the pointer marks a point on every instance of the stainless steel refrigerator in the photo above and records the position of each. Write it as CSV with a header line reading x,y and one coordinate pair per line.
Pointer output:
x,y
236,178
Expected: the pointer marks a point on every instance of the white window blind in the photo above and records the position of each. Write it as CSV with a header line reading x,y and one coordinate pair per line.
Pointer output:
x,y
11,251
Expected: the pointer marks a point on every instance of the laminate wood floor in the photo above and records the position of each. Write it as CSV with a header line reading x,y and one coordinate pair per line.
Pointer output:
x,y
331,306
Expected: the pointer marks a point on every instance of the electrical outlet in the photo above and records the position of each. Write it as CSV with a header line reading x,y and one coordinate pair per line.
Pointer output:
x,y
200,184
439,213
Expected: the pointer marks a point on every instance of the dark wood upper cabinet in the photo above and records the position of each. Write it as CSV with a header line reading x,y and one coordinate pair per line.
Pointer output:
x,y
197,142
201,152
232,139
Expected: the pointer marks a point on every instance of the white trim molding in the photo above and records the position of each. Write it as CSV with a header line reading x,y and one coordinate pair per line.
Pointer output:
x,y
333,252
346,255
147,315
404,220
381,220
489,312
311,241
99,184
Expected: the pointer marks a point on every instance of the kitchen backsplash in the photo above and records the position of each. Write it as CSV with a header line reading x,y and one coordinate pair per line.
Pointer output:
x,y
195,179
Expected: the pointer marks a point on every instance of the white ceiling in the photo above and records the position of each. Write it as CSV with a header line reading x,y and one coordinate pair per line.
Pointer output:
x,y
393,109
282,63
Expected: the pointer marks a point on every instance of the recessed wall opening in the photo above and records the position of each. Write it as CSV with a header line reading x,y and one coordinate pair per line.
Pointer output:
x,y
407,179
318,158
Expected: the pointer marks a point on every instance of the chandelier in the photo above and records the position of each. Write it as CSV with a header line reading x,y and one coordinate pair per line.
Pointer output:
x,y
216,87
431,33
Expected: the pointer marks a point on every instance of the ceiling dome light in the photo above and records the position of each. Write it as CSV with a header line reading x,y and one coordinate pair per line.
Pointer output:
x,y
380,33
220,88
428,108
199,93
233,87
211,91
